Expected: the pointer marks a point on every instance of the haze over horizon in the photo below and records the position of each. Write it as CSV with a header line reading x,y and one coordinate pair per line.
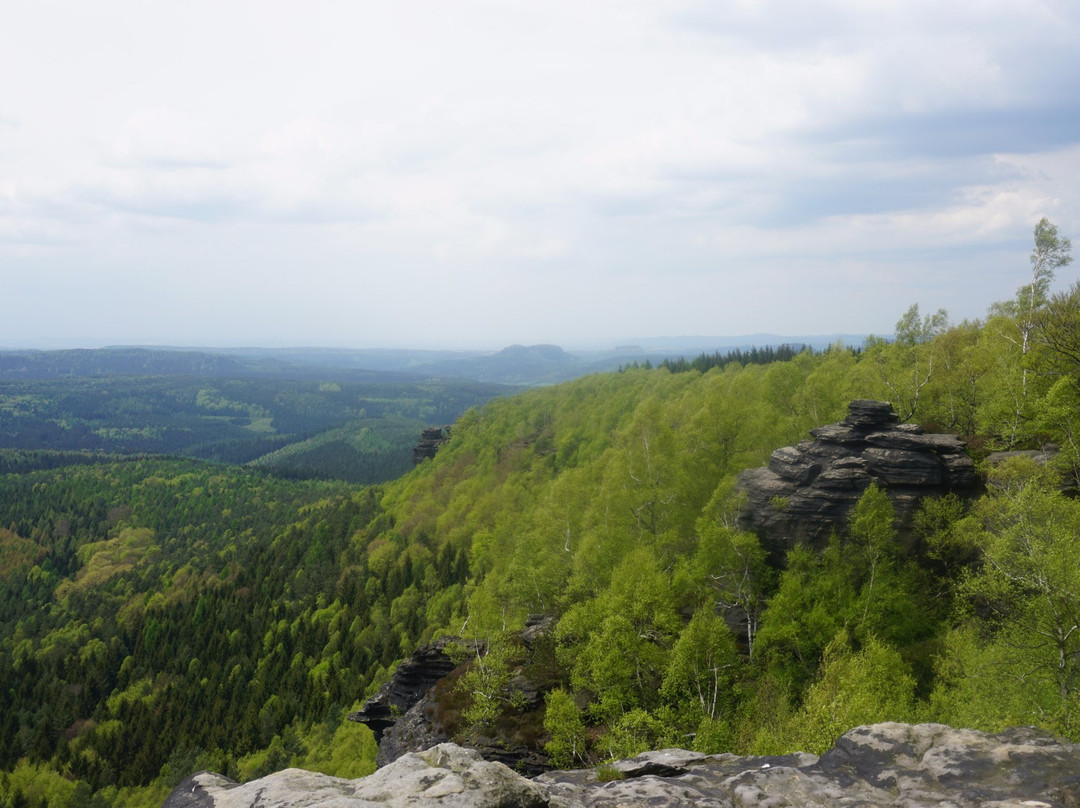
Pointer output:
x,y
481,174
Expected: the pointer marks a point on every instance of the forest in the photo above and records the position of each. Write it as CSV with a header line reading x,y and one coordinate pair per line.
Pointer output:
x,y
162,615
342,424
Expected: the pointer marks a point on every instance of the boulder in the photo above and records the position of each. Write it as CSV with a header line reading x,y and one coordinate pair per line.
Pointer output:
x,y
445,775
807,491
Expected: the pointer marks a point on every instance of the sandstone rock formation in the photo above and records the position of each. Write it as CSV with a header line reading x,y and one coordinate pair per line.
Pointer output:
x,y
808,491
445,775
432,438
884,765
401,705
406,713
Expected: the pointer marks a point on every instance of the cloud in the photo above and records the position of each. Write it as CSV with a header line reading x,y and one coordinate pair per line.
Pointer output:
x,y
634,166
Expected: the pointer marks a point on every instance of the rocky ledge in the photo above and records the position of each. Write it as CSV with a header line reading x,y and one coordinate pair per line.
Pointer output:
x,y
807,491
881,765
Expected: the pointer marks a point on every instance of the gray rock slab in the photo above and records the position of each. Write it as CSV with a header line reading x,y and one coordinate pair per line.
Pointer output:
x,y
887,765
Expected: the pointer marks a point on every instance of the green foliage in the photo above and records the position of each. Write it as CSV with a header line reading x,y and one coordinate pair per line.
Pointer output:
x,y
704,662
1025,594
764,716
606,773
908,365
1059,415
568,739
179,613
359,431
615,645
860,583
632,733
853,687
140,596
754,356
486,683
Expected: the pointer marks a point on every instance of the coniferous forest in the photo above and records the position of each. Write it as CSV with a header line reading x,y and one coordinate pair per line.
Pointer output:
x,y
160,615
294,421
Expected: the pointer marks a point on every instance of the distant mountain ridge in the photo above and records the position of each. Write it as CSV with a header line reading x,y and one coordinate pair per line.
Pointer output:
x,y
520,365
139,361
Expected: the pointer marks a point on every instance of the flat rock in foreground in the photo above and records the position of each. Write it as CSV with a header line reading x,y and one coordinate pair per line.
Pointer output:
x,y
887,765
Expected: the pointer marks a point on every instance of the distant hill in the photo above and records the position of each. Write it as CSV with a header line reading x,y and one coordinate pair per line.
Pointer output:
x,y
139,361
518,365
296,420
115,362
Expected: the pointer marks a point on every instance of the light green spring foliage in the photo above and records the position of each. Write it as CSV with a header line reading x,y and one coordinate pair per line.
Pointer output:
x,y
568,739
547,522
703,666
728,570
487,683
905,367
609,502
1022,643
657,498
633,732
853,687
615,646
860,583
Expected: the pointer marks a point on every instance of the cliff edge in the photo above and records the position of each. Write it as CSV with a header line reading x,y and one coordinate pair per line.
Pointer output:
x,y
887,765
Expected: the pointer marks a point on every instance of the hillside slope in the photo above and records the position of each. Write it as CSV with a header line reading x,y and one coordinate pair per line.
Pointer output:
x,y
163,615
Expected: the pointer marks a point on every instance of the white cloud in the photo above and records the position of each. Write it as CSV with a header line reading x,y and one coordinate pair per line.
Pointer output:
x,y
635,166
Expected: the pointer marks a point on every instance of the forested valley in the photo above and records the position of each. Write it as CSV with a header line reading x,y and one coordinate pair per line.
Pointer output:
x,y
162,615
293,420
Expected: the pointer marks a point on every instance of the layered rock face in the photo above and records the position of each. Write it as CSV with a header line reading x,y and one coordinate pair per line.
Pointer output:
x,y
807,491
401,714
404,714
884,765
431,440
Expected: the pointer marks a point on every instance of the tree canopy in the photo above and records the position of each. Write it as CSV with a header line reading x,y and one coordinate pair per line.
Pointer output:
x,y
162,614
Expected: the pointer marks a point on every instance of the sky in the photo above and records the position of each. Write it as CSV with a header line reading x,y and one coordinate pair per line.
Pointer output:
x,y
475,174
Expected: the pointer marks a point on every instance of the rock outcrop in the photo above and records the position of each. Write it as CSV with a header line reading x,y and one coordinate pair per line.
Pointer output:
x,y
403,707
445,775
885,765
432,438
808,491
408,714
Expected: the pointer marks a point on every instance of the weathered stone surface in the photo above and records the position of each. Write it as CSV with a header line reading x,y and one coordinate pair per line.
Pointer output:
x,y
1040,456
864,412
903,467
794,466
885,765
418,729
445,775
536,626
835,433
808,490
411,681
431,441
405,713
